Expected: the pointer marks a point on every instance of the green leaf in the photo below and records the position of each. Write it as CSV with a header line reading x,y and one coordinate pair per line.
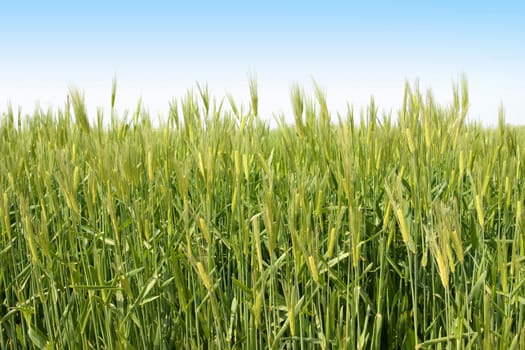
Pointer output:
x,y
38,338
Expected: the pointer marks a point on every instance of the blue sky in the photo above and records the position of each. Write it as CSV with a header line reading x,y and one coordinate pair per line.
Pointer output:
x,y
158,50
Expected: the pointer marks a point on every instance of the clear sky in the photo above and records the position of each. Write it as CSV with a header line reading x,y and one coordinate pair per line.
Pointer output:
x,y
353,49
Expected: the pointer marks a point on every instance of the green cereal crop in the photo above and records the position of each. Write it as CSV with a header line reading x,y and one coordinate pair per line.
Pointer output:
x,y
214,230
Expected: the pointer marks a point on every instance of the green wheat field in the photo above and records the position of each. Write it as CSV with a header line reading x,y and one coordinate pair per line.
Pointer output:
x,y
214,230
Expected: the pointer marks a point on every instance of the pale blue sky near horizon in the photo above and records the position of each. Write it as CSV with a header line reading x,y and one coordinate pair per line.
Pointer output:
x,y
159,49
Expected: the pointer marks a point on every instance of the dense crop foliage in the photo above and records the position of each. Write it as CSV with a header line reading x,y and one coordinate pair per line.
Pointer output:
x,y
213,230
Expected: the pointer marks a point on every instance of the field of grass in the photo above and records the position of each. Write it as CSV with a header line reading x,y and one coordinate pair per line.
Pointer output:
x,y
213,230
